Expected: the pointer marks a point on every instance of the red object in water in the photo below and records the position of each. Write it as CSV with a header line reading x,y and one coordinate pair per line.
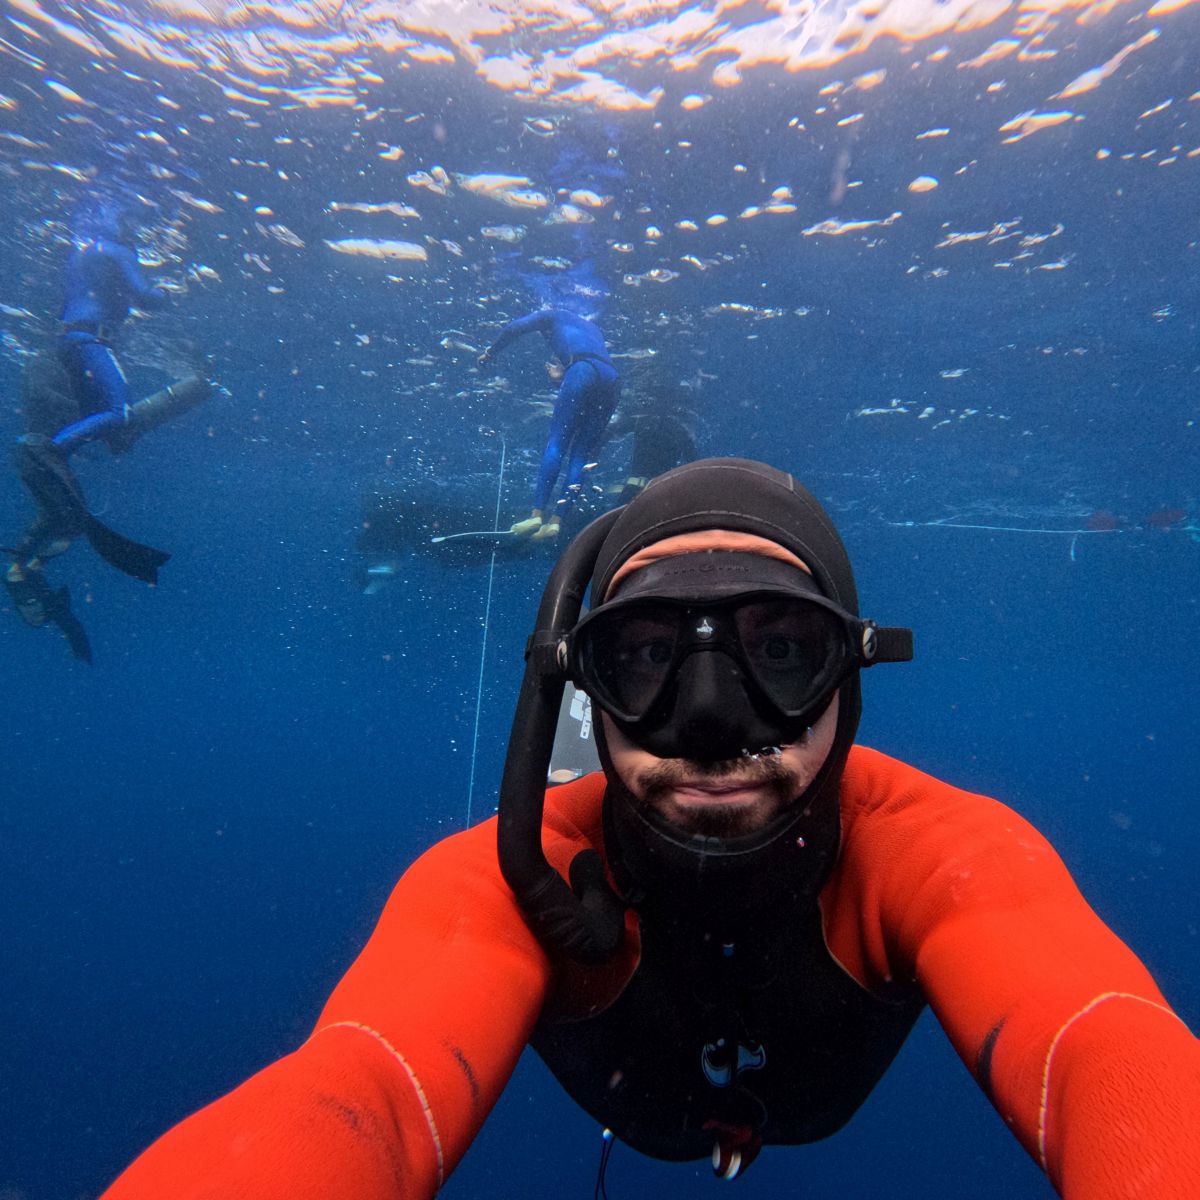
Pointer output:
x,y
1102,521
1164,518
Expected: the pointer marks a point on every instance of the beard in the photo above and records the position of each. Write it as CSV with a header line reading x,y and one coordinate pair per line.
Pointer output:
x,y
656,784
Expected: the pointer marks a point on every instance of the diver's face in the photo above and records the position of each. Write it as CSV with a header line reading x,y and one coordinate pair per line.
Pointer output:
x,y
723,799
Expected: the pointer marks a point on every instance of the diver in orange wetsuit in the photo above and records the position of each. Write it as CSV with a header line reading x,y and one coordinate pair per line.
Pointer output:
x,y
757,909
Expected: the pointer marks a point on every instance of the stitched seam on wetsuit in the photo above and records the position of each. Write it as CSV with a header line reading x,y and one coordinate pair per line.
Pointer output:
x,y
412,1077
1062,1031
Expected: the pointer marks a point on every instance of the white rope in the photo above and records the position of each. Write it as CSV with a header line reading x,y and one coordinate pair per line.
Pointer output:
x,y
487,616
997,528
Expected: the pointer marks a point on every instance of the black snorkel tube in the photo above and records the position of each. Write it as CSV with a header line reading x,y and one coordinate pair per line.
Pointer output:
x,y
585,920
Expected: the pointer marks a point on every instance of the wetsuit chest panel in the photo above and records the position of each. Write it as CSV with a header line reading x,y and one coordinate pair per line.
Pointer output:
x,y
659,1064
95,289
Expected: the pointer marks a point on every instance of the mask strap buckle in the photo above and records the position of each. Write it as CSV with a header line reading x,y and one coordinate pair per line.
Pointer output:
x,y
544,654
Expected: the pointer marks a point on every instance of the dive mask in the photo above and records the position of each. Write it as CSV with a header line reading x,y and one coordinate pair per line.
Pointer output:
x,y
714,655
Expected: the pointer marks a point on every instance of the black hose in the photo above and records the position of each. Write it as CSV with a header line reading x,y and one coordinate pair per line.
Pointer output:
x,y
584,923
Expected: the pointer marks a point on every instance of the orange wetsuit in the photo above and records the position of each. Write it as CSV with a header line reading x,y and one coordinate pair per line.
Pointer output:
x,y
937,893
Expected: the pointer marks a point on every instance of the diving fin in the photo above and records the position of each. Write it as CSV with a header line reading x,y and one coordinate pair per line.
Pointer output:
x,y
28,592
45,472
37,605
168,402
134,558
62,615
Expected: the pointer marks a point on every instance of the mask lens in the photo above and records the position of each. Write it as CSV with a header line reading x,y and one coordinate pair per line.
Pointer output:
x,y
629,656
796,651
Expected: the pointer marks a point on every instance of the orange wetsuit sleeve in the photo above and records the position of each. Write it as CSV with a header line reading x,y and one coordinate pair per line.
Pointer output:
x,y
1056,1018
409,1055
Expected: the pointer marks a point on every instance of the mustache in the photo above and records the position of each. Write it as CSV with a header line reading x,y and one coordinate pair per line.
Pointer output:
x,y
675,772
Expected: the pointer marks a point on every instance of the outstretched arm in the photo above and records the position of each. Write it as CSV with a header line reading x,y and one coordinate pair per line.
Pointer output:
x,y
146,295
1055,1017
1068,1034
540,321
408,1057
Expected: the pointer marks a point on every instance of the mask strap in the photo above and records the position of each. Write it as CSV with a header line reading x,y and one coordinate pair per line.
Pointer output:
x,y
890,644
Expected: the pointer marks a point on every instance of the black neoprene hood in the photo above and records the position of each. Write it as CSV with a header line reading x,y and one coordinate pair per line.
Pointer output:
x,y
739,495
651,859
664,872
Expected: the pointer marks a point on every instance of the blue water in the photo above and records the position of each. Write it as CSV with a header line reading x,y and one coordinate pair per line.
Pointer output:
x,y
197,833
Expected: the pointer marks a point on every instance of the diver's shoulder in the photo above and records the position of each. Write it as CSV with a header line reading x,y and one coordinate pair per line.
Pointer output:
x,y
885,798
873,781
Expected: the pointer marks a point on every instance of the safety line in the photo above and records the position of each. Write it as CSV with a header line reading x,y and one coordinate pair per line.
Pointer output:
x,y
997,528
487,616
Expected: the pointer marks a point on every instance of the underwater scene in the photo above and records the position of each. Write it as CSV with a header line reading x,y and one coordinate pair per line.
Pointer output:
x,y
939,259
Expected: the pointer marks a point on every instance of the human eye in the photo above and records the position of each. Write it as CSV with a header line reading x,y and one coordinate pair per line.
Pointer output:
x,y
782,637
779,647
646,642
652,653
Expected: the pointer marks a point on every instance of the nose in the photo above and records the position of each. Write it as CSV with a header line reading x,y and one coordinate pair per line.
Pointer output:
x,y
713,717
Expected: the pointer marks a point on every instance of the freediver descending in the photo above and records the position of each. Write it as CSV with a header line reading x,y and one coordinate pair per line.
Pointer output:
x,y
588,390
721,940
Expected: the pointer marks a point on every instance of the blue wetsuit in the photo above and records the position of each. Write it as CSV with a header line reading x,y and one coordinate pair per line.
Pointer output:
x,y
587,396
103,281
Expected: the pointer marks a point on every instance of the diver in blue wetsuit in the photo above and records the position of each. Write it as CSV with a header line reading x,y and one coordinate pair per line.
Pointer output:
x,y
77,395
587,397
102,282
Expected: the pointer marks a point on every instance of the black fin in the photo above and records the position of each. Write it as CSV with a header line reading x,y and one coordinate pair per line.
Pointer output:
x,y
142,562
68,622
49,478
52,484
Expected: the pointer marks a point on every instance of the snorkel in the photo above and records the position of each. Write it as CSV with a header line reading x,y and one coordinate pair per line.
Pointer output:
x,y
585,920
